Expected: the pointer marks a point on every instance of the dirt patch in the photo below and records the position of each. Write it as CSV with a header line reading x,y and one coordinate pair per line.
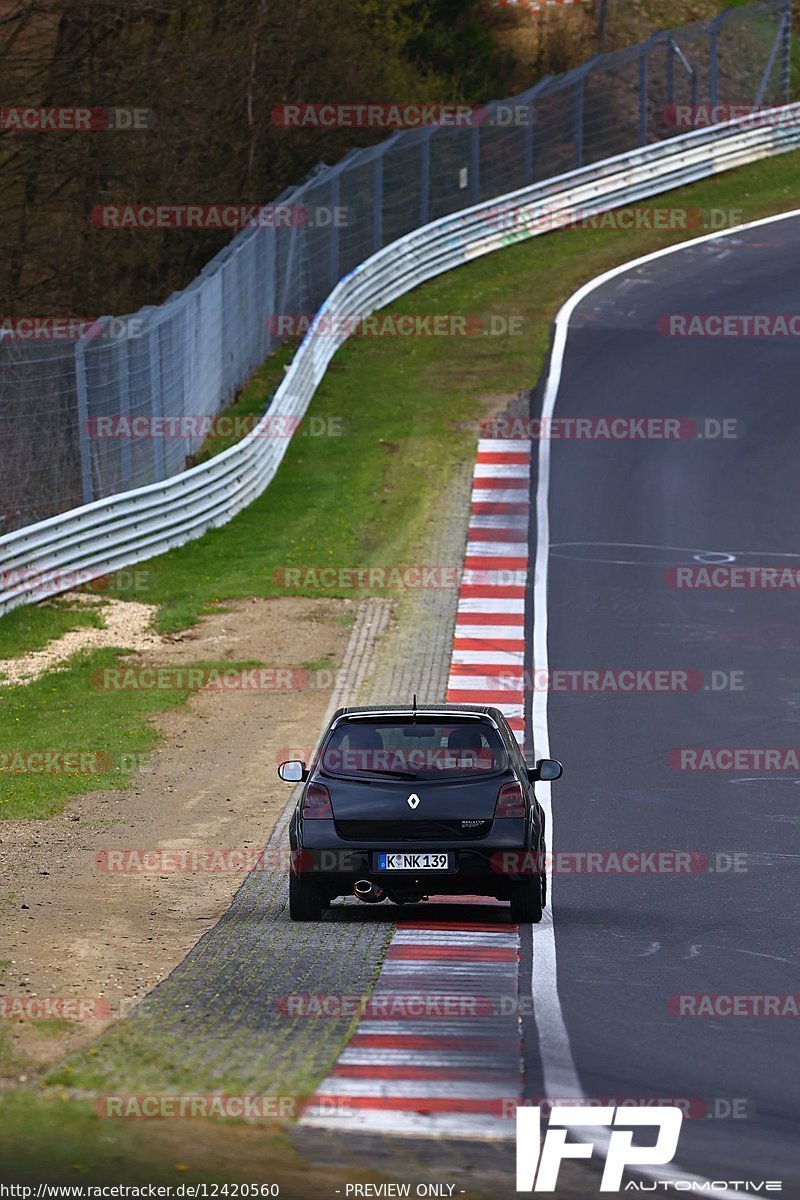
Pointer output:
x,y
72,929
125,623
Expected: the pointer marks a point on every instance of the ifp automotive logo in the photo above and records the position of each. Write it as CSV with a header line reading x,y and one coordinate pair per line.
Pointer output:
x,y
538,1162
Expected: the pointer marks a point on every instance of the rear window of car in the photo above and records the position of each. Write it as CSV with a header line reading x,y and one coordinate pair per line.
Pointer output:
x,y
413,749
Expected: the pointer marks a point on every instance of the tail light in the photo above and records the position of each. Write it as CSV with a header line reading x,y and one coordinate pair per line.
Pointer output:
x,y
510,801
317,803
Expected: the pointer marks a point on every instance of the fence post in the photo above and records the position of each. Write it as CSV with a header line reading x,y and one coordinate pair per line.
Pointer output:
x,y
714,57
601,14
786,64
425,177
527,149
643,98
782,45
377,203
528,145
578,119
126,473
155,402
82,396
333,247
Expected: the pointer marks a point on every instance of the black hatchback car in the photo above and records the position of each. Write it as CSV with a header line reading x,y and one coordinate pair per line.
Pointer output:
x,y
403,801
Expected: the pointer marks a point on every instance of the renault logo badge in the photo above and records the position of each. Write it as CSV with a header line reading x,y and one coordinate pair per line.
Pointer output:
x,y
413,800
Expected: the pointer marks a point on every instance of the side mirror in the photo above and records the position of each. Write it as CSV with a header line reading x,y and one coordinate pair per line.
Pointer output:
x,y
548,769
293,771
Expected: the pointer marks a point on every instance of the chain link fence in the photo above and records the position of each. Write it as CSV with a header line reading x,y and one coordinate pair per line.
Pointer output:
x,y
128,403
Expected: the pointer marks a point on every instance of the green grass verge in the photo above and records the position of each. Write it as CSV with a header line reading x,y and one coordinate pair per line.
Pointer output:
x,y
32,627
54,1138
66,711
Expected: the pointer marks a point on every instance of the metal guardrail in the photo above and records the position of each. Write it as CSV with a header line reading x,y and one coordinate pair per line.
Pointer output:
x,y
94,540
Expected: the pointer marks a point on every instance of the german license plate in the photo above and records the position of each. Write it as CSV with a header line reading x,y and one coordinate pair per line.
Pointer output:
x,y
424,861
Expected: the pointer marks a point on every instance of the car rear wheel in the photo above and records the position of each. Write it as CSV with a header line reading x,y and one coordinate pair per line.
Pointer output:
x,y
305,902
526,901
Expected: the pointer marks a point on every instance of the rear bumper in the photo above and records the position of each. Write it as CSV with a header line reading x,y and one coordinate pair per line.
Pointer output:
x,y
486,868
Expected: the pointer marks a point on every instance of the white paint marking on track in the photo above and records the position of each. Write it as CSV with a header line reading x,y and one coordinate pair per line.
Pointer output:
x,y
499,549
471,1125
492,470
507,633
486,495
481,604
430,1089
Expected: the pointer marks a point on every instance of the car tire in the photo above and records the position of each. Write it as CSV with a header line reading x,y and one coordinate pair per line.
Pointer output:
x,y
526,901
305,902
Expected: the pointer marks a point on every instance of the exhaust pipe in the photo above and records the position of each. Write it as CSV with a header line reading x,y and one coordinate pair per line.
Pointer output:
x,y
368,892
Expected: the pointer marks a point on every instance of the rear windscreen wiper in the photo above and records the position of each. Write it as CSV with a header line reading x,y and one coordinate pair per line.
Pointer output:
x,y
395,774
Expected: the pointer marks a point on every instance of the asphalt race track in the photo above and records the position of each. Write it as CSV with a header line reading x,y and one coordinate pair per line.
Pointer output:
x,y
622,513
